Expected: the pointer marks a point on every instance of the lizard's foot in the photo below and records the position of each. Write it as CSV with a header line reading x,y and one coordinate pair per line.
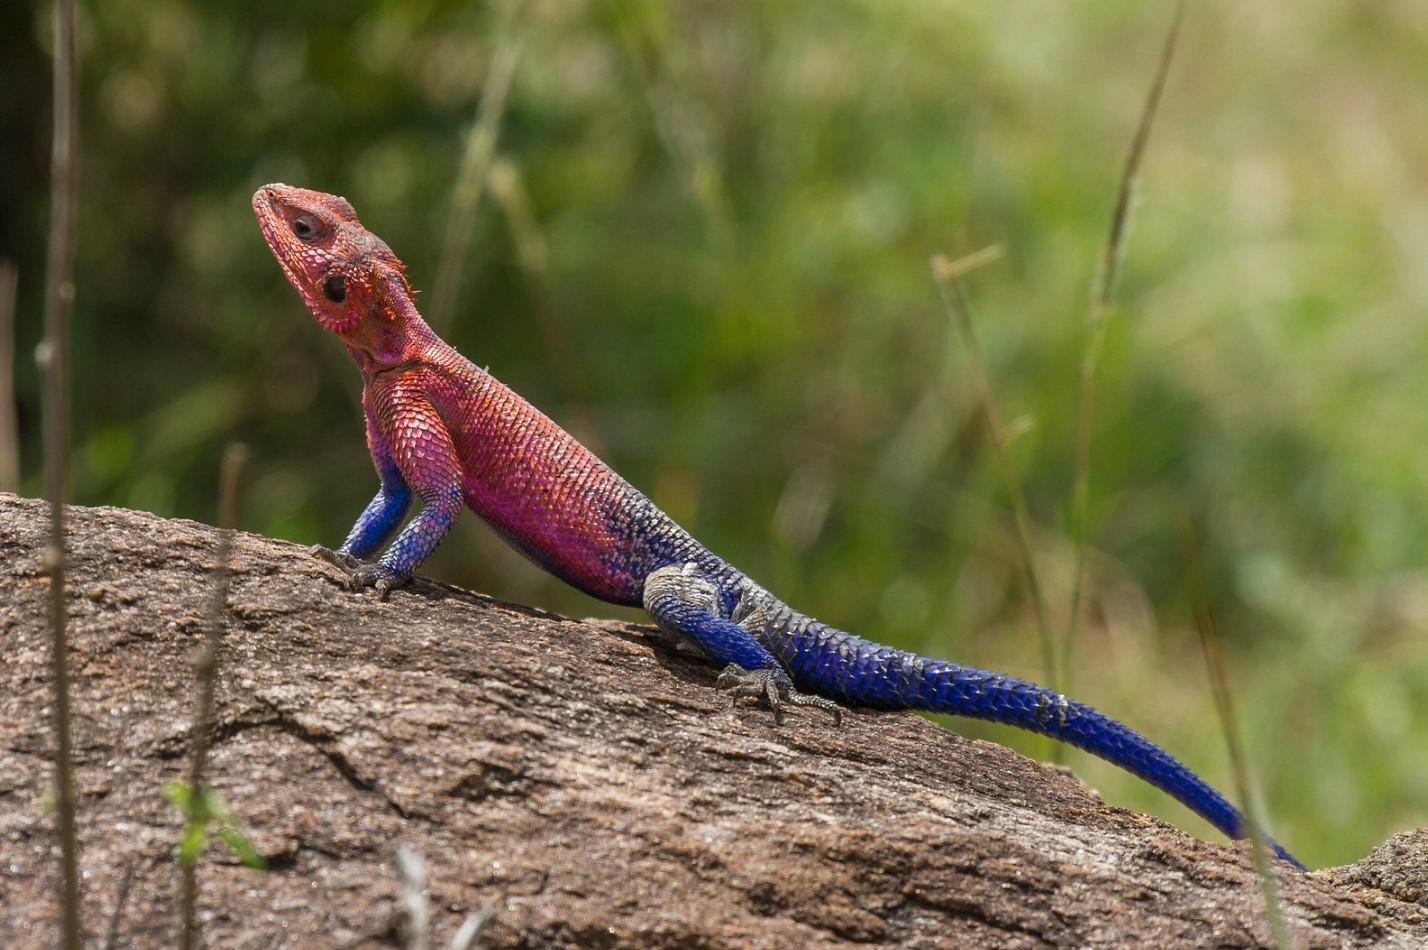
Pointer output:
x,y
377,576
775,689
340,558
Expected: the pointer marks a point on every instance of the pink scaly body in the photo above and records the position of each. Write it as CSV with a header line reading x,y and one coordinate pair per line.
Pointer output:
x,y
528,478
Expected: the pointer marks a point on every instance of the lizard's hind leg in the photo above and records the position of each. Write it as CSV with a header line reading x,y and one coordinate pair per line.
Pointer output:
x,y
685,602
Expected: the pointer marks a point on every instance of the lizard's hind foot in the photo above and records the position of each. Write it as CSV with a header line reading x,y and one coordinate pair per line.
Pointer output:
x,y
774,688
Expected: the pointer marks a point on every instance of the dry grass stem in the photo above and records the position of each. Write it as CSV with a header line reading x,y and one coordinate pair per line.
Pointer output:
x,y
411,868
9,426
509,190
121,896
412,873
53,357
532,251
962,266
679,124
206,674
1103,295
470,931
1239,764
945,272
475,164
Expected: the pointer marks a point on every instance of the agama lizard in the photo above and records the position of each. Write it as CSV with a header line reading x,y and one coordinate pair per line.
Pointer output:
x,y
449,432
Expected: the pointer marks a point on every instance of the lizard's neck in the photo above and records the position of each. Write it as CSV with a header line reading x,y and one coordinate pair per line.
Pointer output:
x,y
393,337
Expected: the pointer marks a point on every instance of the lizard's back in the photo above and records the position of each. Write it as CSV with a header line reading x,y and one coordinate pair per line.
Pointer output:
x,y
546,493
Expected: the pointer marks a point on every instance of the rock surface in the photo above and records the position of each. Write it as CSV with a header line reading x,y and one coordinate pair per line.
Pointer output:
x,y
583,778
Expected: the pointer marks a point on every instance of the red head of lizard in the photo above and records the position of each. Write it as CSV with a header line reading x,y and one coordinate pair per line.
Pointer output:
x,y
348,277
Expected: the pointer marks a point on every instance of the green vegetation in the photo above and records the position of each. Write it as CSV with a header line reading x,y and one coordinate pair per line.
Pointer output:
x,y
706,251
201,813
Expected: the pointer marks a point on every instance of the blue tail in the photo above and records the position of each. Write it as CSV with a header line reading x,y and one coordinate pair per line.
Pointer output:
x,y
842,666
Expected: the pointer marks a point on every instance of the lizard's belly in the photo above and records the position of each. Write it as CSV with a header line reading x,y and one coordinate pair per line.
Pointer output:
x,y
550,496
581,542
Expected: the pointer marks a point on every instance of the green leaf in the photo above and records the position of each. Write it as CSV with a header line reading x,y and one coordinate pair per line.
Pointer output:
x,y
212,806
239,844
194,840
177,793
202,809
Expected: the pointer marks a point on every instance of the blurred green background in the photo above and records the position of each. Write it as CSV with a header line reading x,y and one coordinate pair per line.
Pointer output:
x,y
705,249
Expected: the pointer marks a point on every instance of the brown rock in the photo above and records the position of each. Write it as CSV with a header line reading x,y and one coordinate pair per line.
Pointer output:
x,y
582,775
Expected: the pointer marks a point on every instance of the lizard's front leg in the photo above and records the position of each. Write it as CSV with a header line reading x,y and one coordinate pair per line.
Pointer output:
x,y
384,513
425,458
373,527
381,517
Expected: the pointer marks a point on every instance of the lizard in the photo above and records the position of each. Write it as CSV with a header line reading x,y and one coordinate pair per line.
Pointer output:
x,y
449,433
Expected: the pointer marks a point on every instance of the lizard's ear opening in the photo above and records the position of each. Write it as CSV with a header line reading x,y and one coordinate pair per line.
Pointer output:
x,y
336,302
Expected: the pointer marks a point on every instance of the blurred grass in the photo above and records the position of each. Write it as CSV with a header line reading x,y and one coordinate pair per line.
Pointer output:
x,y
736,205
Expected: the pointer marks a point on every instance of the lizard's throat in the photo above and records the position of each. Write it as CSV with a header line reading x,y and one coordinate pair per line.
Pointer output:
x,y
376,344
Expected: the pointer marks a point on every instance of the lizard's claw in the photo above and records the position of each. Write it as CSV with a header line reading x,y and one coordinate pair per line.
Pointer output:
x,y
774,687
379,577
340,558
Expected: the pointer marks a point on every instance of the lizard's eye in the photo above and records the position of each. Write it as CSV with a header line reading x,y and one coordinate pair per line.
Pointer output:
x,y
305,227
334,288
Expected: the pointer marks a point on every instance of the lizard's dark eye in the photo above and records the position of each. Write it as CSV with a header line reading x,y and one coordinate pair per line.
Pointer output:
x,y
334,288
305,227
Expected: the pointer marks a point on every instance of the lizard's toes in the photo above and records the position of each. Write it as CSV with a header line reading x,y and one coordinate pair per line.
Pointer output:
x,y
377,576
340,558
775,688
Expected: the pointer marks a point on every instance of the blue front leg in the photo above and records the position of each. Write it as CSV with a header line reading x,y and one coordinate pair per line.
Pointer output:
x,y
424,459
440,506
383,514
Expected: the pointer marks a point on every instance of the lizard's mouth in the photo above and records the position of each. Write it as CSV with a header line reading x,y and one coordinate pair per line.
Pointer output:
x,y
270,222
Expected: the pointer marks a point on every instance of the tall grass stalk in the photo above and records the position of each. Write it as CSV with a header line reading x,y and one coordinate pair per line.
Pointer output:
x,y
1102,298
121,896
533,253
947,273
9,426
1229,723
412,873
206,676
53,357
411,868
680,128
476,159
